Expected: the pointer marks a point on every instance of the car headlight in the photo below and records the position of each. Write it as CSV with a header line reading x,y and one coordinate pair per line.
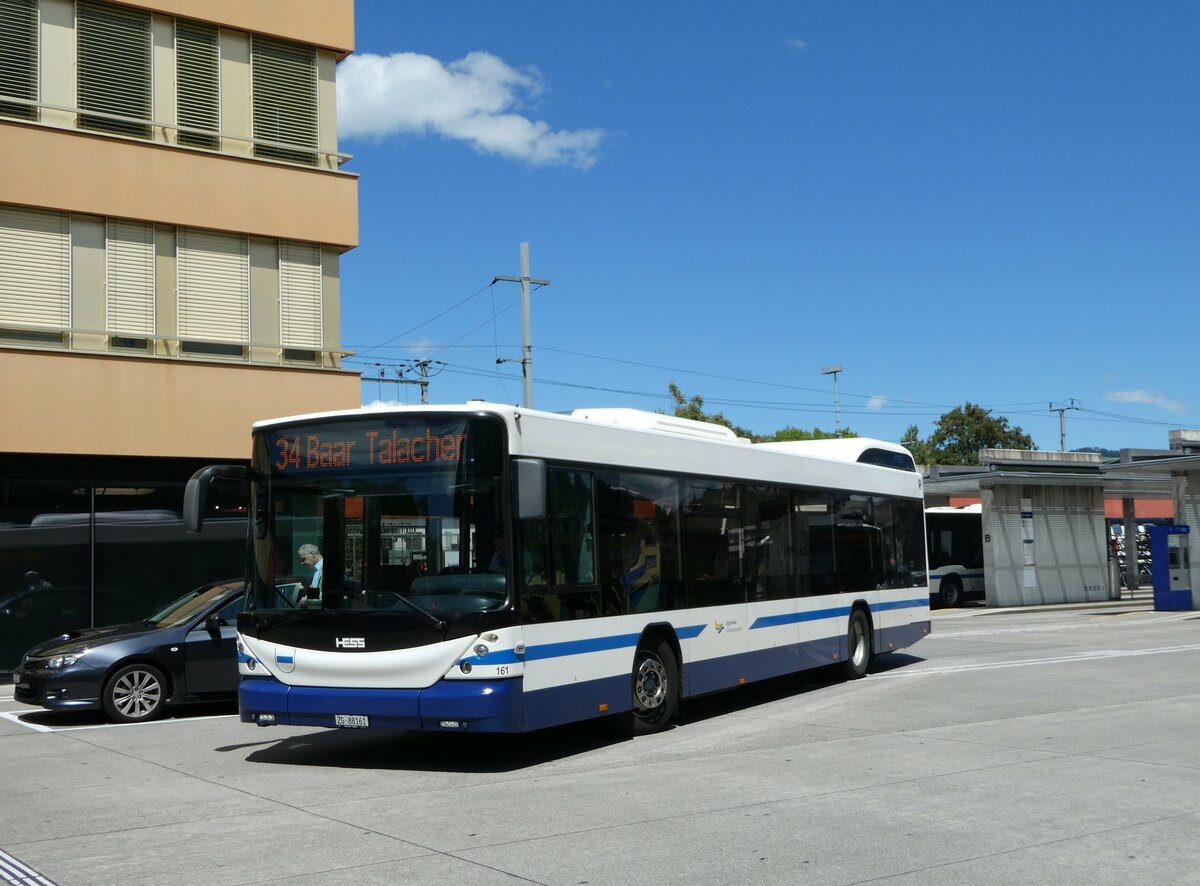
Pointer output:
x,y
65,661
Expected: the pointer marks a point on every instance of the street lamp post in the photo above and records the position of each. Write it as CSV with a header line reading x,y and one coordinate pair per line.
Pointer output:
x,y
837,409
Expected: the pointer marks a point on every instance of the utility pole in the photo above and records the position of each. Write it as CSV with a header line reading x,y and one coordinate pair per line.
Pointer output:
x,y
422,367
1062,421
837,408
526,339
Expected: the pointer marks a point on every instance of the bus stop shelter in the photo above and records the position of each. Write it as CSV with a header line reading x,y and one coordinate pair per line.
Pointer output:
x,y
1045,538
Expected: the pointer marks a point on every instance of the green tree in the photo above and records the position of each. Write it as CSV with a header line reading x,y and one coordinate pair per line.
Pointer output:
x,y
921,452
791,433
693,408
963,431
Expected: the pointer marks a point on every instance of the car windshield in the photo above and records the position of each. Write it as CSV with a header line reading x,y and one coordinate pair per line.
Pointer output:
x,y
398,513
187,606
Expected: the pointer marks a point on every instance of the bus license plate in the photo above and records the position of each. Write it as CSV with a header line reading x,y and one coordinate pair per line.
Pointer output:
x,y
350,721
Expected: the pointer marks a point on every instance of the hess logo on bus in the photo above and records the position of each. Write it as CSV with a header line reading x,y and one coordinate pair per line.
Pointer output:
x,y
350,643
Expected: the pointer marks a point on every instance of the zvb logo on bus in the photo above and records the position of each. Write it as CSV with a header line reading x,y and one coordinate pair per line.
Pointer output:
x,y
350,642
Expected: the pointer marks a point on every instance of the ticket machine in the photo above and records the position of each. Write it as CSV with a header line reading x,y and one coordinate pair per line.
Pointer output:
x,y
1169,567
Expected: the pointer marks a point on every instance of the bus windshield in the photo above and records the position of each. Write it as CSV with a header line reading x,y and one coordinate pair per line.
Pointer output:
x,y
386,512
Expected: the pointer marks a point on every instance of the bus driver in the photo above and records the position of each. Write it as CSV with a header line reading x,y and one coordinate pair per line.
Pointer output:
x,y
310,558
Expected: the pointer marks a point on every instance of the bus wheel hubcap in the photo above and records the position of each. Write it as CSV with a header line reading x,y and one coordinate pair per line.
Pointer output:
x,y
649,684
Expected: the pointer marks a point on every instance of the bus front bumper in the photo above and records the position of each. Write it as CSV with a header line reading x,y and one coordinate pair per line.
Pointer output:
x,y
448,706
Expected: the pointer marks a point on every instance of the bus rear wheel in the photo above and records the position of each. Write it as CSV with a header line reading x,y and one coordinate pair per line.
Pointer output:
x,y
655,687
950,592
858,645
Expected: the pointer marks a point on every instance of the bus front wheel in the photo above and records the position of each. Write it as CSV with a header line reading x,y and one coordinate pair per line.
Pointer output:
x,y
858,645
950,591
655,687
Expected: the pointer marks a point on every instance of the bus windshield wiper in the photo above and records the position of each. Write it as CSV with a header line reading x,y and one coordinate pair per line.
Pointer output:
x,y
428,617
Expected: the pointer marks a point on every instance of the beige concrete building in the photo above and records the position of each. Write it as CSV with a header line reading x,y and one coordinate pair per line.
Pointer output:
x,y
173,211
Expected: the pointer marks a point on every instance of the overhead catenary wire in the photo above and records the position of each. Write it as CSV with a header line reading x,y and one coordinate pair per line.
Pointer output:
x,y
891,406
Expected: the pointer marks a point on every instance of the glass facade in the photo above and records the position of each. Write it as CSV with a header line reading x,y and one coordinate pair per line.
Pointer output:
x,y
105,546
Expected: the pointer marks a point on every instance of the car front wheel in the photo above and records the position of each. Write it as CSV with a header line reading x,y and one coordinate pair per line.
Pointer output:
x,y
135,693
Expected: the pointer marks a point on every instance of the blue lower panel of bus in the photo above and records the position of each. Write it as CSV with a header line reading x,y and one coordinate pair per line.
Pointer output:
x,y
899,637
577,701
478,706
714,674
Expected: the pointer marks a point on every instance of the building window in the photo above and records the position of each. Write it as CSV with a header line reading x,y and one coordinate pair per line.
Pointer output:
x,y
129,279
114,74
214,291
197,84
19,58
284,86
35,273
300,314
212,349
127,343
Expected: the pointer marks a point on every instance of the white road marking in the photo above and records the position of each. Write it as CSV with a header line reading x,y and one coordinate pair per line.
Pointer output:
x,y
15,717
1094,655
15,871
1049,629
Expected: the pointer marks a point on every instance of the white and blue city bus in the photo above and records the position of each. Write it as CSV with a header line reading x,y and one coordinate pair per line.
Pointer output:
x,y
498,569
955,554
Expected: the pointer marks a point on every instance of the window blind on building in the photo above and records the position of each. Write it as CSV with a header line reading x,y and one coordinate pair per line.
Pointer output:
x,y
113,73
129,278
284,86
197,83
213,286
35,268
300,311
19,57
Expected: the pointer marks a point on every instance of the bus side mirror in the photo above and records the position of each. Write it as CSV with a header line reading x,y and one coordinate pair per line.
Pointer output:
x,y
531,488
195,494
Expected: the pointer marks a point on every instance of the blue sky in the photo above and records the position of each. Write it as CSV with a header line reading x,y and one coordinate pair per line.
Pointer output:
x,y
993,202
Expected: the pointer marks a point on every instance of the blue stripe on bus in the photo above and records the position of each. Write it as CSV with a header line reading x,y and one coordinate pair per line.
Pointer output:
x,y
889,605
578,647
573,647
789,618
599,644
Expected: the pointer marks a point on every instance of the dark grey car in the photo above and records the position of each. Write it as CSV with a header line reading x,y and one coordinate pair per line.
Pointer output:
x,y
185,653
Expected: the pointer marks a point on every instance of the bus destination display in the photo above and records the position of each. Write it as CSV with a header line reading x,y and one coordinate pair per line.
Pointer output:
x,y
330,448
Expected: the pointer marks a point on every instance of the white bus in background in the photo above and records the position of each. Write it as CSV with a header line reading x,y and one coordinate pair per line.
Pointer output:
x,y
955,542
607,562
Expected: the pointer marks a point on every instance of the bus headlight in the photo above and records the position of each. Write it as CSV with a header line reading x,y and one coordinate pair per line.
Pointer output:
x,y
465,667
482,650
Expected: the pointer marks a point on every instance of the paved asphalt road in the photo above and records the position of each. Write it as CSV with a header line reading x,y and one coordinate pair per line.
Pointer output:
x,y
1053,745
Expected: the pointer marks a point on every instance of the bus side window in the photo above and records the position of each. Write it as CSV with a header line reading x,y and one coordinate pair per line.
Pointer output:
x,y
558,555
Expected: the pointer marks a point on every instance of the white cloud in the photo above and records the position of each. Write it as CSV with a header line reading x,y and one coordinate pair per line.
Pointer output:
x,y
473,99
422,347
877,402
1150,398
795,44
